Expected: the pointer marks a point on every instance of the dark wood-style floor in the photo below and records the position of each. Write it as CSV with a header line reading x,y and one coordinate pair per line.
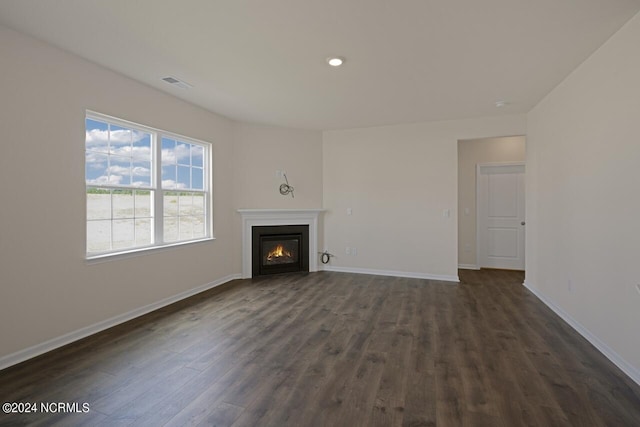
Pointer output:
x,y
335,349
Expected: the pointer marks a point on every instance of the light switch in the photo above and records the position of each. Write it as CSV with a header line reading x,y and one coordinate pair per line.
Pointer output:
x,y
446,213
349,211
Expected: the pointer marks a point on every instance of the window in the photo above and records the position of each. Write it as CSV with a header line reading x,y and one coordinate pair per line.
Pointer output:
x,y
145,187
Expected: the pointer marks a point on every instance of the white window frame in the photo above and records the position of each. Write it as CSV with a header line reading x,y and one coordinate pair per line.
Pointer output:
x,y
157,202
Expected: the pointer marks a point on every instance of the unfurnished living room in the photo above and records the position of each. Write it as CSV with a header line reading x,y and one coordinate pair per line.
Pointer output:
x,y
319,213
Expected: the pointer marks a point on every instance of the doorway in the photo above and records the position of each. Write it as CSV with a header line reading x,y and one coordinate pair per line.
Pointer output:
x,y
471,153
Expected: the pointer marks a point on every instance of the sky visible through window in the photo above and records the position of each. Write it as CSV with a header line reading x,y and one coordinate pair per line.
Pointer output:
x,y
182,165
117,156
122,157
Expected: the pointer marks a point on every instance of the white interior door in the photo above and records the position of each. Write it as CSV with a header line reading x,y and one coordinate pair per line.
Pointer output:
x,y
501,223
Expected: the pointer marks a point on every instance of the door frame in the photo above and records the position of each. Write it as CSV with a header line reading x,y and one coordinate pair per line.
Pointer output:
x,y
479,166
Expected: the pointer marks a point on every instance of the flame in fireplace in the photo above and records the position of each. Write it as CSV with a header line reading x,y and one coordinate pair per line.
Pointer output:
x,y
278,252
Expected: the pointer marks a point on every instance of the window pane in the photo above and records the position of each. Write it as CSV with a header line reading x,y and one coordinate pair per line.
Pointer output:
x,y
143,231
198,227
120,140
96,168
169,176
183,153
143,203
122,204
170,203
98,236
141,146
185,204
123,233
93,124
119,170
141,174
98,204
168,151
184,177
96,136
197,178
197,155
198,204
170,229
186,227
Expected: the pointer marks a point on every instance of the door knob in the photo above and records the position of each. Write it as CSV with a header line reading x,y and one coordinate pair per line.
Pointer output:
x,y
522,223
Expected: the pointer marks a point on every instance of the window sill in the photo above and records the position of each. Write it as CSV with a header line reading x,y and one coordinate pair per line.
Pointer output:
x,y
131,253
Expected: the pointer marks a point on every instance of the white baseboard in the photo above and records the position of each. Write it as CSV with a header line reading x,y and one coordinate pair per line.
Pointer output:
x,y
626,367
52,344
392,273
468,267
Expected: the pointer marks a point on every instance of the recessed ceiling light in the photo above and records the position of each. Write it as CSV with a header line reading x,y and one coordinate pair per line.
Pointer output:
x,y
335,61
500,104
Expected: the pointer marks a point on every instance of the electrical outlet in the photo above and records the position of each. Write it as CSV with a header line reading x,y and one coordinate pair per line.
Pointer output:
x,y
278,173
347,250
638,288
570,285
354,251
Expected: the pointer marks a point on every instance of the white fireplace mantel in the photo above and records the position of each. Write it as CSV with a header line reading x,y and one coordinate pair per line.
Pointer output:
x,y
259,217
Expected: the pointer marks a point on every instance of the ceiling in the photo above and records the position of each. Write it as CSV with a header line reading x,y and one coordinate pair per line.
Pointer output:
x,y
264,61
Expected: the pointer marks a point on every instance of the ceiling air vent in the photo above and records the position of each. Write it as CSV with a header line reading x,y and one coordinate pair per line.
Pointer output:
x,y
175,82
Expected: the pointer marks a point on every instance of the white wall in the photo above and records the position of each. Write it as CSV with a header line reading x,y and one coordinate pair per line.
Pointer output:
x,y
470,153
261,150
583,204
398,180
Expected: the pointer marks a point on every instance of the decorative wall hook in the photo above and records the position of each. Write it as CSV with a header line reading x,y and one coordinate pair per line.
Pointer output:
x,y
285,188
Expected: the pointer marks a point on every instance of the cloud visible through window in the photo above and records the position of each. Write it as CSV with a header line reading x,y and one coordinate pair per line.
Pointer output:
x,y
178,154
98,137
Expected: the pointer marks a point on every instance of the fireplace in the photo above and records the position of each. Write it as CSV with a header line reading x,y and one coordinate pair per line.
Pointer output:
x,y
279,249
278,217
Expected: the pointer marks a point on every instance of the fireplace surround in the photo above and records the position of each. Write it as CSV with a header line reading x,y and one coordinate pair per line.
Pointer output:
x,y
278,217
